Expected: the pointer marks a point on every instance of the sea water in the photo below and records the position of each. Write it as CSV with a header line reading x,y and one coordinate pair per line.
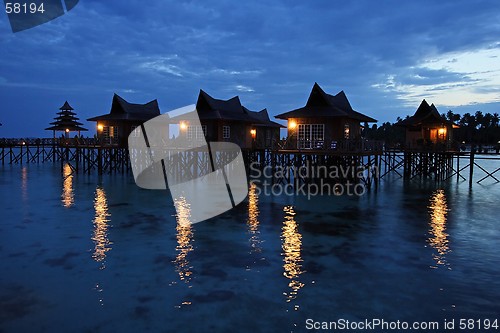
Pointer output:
x,y
89,253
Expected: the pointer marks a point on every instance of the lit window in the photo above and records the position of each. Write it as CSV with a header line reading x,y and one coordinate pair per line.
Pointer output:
x,y
311,136
113,131
346,131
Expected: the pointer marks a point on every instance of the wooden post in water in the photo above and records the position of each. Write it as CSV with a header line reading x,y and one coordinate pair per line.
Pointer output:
x,y
54,151
471,166
99,160
407,165
77,161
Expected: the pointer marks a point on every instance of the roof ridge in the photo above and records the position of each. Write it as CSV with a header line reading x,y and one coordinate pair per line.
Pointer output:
x,y
326,105
128,107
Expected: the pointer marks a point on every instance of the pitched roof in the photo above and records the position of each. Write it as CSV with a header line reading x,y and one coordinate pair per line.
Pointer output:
x,y
321,104
66,121
66,106
209,108
61,127
263,117
425,114
125,111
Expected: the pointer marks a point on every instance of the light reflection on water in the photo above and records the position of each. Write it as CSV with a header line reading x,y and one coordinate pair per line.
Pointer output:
x,y
67,196
101,225
184,240
358,252
292,243
24,183
438,210
253,219
100,237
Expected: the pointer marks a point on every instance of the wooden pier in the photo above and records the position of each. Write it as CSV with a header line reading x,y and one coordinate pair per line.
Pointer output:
x,y
437,165
309,166
82,155
373,161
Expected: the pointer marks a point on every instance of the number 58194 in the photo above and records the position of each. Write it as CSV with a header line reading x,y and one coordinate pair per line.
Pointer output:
x,y
23,8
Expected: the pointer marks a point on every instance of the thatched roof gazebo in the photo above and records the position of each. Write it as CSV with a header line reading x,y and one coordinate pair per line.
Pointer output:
x,y
66,121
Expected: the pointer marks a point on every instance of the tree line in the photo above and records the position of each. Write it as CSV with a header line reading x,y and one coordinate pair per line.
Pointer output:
x,y
479,128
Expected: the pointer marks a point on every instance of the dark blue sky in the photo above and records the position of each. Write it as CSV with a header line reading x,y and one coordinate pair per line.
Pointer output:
x,y
386,56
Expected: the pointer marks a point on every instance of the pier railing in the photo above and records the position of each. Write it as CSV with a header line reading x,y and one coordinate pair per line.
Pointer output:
x,y
339,146
65,142
432,161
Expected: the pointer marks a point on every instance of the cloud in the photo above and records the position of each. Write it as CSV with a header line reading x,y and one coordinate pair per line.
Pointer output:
x,y
250,73
243,88
130,91
159,66
385,56
455,78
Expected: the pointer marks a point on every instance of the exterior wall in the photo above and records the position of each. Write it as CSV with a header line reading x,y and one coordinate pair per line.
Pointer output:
x,y
266,137
212,130
412,137
240,133
120,133
429,133
337,129
334,129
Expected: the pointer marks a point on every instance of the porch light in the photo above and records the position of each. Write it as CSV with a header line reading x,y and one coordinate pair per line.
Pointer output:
x,y
442,131
292,124
100,127
253,133
183,126
67,130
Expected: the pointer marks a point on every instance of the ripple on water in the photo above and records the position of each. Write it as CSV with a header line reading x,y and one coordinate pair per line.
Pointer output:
x,y
213,296
63,261
16,302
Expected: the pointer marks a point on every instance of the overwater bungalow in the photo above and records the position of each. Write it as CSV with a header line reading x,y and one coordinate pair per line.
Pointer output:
x,y
66,121
427,127
124,117
228,120
323,122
